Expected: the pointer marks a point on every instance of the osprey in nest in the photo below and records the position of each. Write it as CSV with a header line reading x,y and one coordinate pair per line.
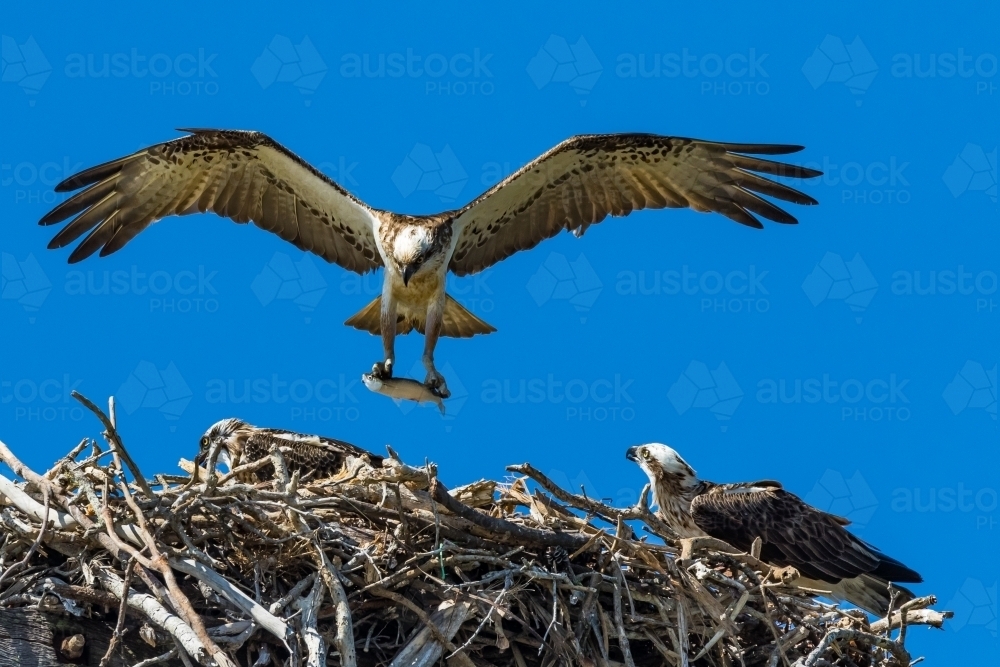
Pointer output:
x,y
240,443
248,177
815,543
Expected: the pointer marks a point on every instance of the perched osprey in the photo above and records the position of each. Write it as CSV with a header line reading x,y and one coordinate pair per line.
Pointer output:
x,y
247,176
792,533
242,443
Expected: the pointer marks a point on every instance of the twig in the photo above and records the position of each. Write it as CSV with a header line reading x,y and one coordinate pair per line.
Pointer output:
x,y
31,507
619,623
116,636
309,606
34,545
501,529
344,635
835,635
155,612
114,440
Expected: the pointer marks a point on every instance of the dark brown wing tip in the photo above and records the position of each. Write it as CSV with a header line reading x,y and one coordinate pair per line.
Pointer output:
x,y
79,254
74,182
763,149
809,173
93,175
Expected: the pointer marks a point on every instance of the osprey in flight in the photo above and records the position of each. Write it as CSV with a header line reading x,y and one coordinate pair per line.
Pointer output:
x,y
241,443
792,533
247,176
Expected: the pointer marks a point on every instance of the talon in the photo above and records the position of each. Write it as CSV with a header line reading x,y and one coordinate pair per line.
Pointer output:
x,y
382,369
435,382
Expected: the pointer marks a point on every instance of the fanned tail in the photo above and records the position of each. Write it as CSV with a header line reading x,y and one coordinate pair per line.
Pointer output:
x,y
458,321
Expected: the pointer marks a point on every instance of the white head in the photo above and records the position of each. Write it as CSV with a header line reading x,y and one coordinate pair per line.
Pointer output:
x,y
230,434
663,465
674,485
411,248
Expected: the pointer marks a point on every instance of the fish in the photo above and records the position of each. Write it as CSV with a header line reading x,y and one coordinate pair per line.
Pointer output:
x,y
402,389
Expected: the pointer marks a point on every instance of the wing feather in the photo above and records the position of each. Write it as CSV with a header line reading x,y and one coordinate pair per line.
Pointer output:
x,y
587,178
244,176
792,532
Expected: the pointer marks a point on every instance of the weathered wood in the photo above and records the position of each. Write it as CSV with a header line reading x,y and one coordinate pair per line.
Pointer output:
x,y
30,638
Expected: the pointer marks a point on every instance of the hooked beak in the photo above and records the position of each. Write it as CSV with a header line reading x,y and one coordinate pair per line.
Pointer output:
x,y
408,272
200,457
632,454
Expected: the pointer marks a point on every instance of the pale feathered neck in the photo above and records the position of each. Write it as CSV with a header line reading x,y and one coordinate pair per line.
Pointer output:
x,y
673,494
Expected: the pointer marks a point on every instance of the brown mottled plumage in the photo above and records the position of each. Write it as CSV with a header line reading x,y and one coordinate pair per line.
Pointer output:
x,y
792,532
242,443
247,176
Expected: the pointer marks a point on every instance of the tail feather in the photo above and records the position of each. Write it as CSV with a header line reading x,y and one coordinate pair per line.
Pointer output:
x,y
893,570
458,321
865,592
368,318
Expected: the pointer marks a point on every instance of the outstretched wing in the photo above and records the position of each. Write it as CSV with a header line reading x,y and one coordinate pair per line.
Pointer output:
x,y
244,176
793,533
586,178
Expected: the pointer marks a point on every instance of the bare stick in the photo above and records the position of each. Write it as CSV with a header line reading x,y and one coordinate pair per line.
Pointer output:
x,y
220,585
344,637
111,434
32,507
501,529
116,636
155,612
34,546
315,644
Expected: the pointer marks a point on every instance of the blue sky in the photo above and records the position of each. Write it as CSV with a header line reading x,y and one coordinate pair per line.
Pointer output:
x,y
852,356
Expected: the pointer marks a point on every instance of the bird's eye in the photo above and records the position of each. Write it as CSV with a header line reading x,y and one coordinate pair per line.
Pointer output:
x,y
646,454
204,442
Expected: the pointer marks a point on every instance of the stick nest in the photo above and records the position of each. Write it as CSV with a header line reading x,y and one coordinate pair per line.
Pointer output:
x,y
384,565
